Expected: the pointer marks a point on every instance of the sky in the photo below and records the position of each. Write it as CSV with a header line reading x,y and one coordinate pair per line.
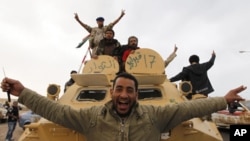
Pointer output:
x,y
38,39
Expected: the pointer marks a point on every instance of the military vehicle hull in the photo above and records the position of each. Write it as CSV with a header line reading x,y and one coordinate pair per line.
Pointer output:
x,y
154,88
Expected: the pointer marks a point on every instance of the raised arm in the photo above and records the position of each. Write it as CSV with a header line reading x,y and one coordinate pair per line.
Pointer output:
x,y
233,96
213,53
210,63
12,86
171,56
88,28
61,114
119,18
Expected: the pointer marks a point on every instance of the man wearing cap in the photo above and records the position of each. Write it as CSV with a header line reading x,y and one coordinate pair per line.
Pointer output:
x,y
97,33
196,73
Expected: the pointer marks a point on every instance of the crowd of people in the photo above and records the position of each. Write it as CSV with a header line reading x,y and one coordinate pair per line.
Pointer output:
x,y
97,33
102,42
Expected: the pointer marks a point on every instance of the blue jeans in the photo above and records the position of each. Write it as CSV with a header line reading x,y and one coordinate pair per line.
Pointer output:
x,y
11,128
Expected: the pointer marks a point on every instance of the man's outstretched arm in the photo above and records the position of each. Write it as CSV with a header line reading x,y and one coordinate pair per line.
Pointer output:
x,y
119,18
88,28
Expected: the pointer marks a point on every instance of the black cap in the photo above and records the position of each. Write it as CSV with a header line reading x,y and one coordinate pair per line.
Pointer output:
x,y
100,19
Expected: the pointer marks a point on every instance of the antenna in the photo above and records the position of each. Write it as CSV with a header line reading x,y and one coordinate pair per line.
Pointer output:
x,y
243,51
8,93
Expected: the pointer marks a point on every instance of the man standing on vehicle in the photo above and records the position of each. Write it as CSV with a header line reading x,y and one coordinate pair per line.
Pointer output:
x,y
97,33
196,73
70,82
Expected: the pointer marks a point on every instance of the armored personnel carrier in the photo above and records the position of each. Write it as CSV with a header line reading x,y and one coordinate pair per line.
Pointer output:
x,y
92,86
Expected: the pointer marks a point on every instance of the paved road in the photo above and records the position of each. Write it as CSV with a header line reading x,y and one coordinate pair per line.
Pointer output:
x,y
3,130
4,127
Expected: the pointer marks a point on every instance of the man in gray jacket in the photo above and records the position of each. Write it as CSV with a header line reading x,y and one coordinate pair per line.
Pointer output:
x,y
122,118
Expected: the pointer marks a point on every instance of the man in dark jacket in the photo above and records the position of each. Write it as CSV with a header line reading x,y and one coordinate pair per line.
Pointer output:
x,y
70,81
13,115
108,45
196,73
